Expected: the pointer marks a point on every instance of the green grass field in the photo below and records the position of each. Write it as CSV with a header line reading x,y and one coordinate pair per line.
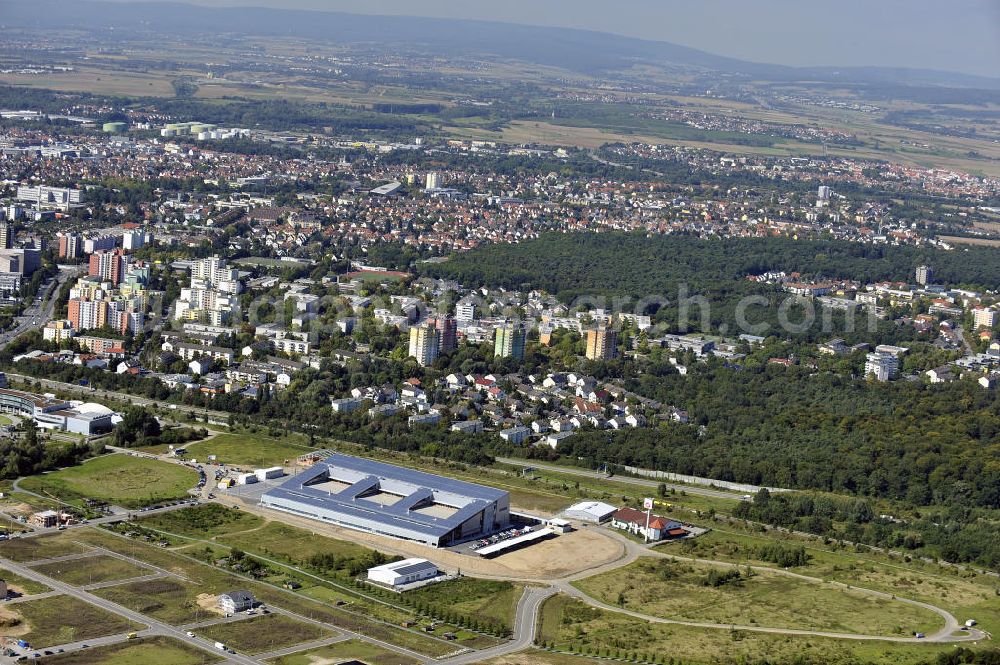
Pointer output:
x,y
61,619
204,521
92,570
22,585
147,651
206,579
344,651
677,590
965,594
261,634
42,547
5,420
168,600
249,450
483,600
292,544
568,624
122,480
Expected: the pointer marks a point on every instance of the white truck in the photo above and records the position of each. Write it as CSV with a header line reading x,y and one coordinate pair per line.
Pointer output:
x,y
220,646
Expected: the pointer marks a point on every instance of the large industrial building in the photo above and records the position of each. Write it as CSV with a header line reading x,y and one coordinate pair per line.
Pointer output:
x,y
50,413
392,501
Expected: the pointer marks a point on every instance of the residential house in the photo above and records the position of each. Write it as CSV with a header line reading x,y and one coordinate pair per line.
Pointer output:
x,y
236,601
516,435
635,522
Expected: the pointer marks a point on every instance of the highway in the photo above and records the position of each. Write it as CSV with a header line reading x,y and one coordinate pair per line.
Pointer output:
x,y
39,312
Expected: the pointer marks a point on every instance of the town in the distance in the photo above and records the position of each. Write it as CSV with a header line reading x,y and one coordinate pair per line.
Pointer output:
x,y
323,354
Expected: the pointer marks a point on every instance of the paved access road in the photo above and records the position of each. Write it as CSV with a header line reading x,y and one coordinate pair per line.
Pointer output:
x,y
525,629
217,417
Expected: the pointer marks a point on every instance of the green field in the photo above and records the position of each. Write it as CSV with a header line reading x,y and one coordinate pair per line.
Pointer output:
x,y
62,619
374,276
248,450
41,547
486,601
122,480
294,545
204,521
680,590
147,651
261,634
22,585
344,651
168,600
92,570
5,420
967,595
568,624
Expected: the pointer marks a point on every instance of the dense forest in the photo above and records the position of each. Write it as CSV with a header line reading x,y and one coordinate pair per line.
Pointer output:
x,y
638,265
791,427
691,284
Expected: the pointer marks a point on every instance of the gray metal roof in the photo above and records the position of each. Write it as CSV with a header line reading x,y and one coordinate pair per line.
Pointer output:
x,y
467,498
414,568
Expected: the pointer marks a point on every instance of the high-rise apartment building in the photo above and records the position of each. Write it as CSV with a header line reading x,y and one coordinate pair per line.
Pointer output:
x,y
447,329
925,275
425,340
602,343
509,341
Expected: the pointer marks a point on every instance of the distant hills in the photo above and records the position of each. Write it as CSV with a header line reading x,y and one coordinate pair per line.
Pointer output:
x,y
575,50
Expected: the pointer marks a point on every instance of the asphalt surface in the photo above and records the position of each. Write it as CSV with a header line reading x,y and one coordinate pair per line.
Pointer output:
x,y
525,629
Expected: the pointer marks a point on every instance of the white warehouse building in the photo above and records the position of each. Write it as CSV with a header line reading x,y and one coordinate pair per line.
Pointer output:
x,y
270,473
403,572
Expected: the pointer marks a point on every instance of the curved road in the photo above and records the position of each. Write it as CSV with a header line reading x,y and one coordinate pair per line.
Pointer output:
x,y
637,550
525,629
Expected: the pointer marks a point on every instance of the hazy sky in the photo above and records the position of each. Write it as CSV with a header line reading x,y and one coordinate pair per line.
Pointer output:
x,y
954,35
